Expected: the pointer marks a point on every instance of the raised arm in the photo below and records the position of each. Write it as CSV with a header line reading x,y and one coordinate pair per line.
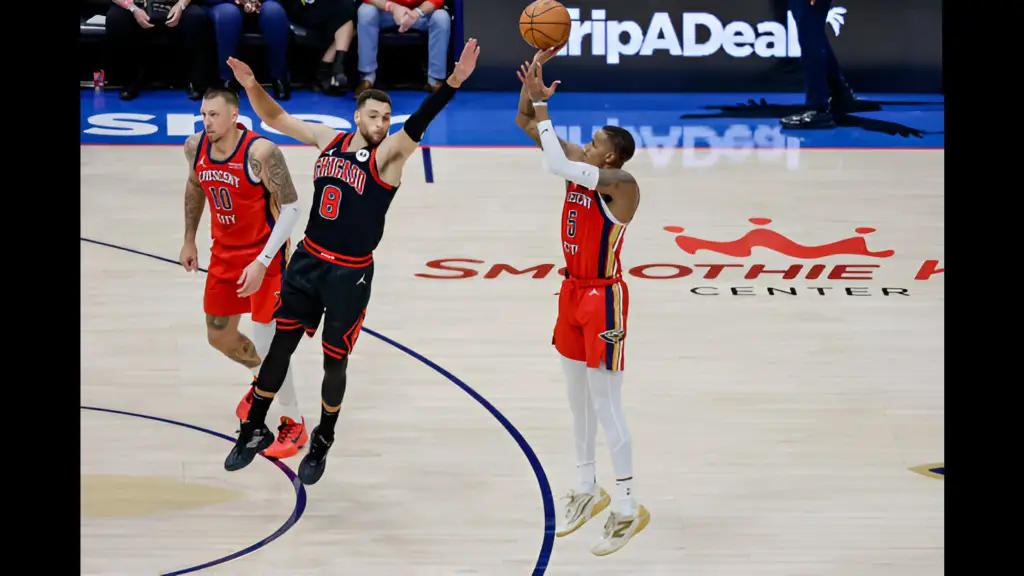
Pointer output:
x,y
396,148
526,117
269,111
615,183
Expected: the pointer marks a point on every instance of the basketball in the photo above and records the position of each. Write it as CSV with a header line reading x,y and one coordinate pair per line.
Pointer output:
x,y
544,24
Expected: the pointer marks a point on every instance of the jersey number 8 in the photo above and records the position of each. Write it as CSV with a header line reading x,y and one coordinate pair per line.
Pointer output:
x,y
329,201
221,198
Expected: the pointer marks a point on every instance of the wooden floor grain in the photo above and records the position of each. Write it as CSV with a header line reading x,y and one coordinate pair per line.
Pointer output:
x,y
773,432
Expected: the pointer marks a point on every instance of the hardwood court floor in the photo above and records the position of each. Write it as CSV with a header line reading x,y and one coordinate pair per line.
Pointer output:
x,y
774,419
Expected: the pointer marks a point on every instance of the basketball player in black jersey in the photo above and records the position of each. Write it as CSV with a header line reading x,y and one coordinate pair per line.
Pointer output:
x,y
330,275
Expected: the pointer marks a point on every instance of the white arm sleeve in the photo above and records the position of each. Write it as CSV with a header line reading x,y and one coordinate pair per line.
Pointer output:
x,y
281,233
555,161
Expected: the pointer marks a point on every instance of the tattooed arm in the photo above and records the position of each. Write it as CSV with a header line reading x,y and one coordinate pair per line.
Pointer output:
x,y
195,201
267,162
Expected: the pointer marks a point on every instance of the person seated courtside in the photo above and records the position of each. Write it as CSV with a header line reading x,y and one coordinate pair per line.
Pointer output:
x,y
429,15
131,26
230,16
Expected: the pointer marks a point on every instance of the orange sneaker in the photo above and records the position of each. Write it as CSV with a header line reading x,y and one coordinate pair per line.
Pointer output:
x,y
291,437
243,407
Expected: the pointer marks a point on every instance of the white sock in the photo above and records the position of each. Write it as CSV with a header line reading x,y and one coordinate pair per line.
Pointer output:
x,y
584,424
606,390
262,336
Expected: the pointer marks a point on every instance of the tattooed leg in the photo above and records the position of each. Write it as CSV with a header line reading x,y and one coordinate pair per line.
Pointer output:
x,y
222,333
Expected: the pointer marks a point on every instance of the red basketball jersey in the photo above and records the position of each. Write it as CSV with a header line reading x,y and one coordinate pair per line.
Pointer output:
x,y
242,210
591,238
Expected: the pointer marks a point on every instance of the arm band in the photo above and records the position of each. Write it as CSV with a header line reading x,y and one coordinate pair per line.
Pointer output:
x,y
416,125
281,233
555,161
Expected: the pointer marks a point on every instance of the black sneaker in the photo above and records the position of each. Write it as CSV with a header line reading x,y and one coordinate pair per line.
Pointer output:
x,y
251,441
314,462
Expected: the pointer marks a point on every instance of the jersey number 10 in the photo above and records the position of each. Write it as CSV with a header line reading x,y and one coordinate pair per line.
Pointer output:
x,y
221,198
329,201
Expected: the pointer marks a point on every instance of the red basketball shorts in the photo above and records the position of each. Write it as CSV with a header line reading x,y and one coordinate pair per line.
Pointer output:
x,y
591,324
221,297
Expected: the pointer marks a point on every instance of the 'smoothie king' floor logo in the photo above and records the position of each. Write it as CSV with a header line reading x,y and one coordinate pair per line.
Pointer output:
x,y
711,267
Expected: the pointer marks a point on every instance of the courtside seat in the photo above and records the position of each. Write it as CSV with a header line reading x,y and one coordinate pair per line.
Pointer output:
x,y
91,31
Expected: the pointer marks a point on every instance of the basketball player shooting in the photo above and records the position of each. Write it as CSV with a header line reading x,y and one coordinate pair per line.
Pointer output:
x,y
253,209
331,273
593,303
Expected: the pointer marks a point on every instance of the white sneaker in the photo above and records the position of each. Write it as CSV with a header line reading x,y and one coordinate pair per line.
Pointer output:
x,y
618,531
581,506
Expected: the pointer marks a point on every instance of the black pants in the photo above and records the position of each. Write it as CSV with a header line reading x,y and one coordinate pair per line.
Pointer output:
x,y
322,19
131,44
313,289
822,76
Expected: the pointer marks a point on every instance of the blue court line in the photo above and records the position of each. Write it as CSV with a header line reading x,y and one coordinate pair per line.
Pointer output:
x,y
428,165
542,480
300,492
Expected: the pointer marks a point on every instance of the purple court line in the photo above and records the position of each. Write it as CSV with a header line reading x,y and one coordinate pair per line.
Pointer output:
x,y
428,165
538,470
300,493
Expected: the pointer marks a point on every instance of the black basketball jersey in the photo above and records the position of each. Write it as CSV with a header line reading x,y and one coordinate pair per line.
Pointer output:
x,y
350,200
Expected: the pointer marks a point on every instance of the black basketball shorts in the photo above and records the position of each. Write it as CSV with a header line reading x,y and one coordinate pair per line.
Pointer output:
x,y
314,289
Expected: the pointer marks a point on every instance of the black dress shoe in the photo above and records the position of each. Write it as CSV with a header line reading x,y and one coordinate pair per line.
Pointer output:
x,y
131,91
193,91
810,120
282,89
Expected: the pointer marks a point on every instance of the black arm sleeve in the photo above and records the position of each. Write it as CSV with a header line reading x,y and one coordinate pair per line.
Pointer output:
x,y
432,105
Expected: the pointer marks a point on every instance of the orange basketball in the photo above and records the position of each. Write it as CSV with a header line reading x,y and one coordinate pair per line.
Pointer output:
x,y
545,24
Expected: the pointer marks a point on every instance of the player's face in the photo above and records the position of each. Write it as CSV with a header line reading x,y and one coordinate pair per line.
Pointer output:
x,y
599,151
219,118
374,121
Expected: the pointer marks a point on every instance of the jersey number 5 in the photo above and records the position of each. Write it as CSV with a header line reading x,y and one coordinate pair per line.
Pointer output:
x,y
221,198
570,224
329,201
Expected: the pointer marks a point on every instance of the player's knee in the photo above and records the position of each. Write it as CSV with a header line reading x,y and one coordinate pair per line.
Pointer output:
x,y
335,367
222,338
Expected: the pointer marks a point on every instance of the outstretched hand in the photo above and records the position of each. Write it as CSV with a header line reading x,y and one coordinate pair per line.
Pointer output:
x,y
533,79
543,56
467,62
242,72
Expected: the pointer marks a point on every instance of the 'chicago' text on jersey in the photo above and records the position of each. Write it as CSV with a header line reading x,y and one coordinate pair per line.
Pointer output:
x,y
342,169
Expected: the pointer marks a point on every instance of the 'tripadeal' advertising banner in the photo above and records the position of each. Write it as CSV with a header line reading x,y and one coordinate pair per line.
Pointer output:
x,y
713,45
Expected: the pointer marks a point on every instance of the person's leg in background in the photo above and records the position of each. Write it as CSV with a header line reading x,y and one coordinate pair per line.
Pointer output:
x,y
227,28
810,23
438,25
127,40
331,25
278,33
369,21
195,31
342,21
844,101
